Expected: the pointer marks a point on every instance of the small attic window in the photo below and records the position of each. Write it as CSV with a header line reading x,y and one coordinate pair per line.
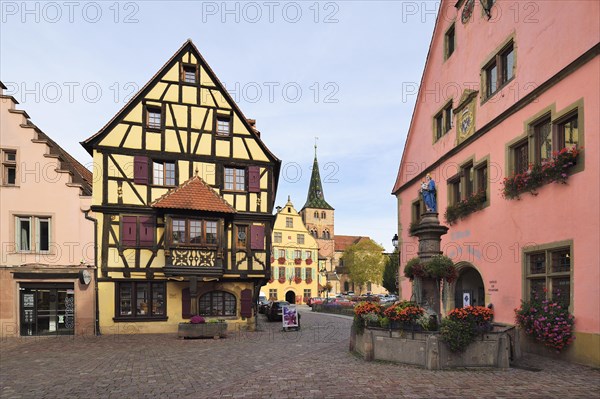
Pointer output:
x,y
289,210
223,125
189,73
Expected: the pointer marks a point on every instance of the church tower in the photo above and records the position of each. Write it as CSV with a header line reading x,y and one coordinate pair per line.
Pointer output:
x,y
318,217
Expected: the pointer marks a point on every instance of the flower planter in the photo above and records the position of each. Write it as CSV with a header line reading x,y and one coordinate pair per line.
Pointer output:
x,y
204,330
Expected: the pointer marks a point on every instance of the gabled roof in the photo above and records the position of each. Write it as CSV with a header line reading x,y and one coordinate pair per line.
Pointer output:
x,y
187,46
343,242
315,197
194,194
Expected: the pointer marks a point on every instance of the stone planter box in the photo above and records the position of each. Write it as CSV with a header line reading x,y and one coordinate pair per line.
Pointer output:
x,y
204,330
425,349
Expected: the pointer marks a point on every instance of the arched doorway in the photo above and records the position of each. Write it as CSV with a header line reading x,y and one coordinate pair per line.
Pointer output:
x,y
290,296
469,288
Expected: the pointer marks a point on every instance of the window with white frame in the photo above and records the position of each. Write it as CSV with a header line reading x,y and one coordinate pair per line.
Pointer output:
x,y
32,233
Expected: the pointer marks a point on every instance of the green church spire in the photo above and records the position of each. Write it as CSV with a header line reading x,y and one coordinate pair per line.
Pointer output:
x,y
315,198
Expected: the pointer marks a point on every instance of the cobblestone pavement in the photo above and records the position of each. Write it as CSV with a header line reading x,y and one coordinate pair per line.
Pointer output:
x,y
311,363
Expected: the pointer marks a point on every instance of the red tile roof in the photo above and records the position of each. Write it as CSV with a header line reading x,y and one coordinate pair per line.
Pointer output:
x,y
196,195
343,242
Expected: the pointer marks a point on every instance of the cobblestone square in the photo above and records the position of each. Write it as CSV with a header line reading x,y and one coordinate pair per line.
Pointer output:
x,y
311,363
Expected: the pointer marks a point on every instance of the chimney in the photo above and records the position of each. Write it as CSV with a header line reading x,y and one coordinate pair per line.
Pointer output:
x,y
252,123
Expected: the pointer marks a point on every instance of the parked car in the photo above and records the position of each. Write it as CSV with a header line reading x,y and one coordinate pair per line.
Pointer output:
x,y
315,301
262,305
274,310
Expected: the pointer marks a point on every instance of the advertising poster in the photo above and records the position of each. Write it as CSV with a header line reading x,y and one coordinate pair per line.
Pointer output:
x,y
290,316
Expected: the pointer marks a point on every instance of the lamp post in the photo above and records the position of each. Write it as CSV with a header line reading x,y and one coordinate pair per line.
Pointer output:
x,y
323,272
395,244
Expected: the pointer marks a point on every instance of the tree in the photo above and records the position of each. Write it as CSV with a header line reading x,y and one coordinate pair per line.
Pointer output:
x,y
390,273
365,262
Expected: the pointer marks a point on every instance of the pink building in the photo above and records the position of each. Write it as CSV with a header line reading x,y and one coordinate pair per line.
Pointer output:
x,y
505,87
47,245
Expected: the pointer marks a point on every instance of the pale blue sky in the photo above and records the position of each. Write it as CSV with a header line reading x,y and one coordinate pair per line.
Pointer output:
x,y
71,66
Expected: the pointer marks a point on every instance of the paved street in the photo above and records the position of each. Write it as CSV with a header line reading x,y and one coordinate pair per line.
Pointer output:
x,y
312,363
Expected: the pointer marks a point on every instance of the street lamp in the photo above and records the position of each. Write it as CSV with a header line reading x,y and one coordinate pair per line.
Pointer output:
x,y
323,272
395,241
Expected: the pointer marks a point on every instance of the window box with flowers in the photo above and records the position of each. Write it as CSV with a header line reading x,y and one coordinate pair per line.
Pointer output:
x,y
271,280
281,280
272,259
553,170
547,321
308,261
281,260
297,280
309,280
463,208
298,261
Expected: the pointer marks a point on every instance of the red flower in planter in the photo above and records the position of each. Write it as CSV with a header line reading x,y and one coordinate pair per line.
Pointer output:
x,y
281,260
308,261
298,261
271,280
272,259
297,280
281,280
309,280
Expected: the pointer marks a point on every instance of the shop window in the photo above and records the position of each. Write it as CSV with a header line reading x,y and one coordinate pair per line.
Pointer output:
x,y
217,303
137,299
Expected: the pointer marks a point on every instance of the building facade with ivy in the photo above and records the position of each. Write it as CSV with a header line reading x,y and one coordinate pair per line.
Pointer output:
x,y
506,122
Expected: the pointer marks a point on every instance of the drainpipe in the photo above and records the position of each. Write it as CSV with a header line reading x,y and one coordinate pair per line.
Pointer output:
x,y
97,312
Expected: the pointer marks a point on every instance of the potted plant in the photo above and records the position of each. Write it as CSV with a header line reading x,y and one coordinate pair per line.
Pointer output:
x,y
298,261
198,327
297,280
404,314
309,280
281,260
308,261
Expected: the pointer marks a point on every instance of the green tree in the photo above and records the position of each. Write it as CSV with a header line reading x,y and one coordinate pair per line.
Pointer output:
x,y
365,262
390,272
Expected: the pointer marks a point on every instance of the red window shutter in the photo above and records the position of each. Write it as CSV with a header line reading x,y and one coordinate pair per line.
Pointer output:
x,y
140,170
253,179
146,231
129,230
257,237
246,303
185,303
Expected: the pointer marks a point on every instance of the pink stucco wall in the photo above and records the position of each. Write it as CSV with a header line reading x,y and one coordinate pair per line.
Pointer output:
x,y
497,234
41,191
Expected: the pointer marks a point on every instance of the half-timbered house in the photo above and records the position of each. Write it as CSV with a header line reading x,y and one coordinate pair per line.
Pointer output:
x,y
184,190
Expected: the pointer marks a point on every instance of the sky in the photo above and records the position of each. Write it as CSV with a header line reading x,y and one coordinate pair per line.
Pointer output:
x,y
341,74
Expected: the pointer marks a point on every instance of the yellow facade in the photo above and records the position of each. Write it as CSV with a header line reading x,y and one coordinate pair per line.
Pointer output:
x,y
159,264
295,254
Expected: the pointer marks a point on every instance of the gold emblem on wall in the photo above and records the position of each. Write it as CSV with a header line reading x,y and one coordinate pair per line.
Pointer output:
x,y
465,115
